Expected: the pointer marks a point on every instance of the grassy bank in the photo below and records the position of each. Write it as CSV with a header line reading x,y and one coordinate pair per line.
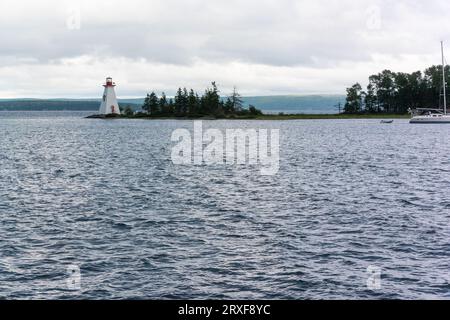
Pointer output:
x,y
332,116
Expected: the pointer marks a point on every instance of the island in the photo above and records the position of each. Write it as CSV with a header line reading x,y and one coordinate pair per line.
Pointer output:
x,y
188,104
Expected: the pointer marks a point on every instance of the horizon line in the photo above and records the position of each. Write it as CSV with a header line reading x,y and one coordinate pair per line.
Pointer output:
x,y
171,96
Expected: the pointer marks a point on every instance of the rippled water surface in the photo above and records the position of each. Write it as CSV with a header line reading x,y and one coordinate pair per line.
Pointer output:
x,y
105,196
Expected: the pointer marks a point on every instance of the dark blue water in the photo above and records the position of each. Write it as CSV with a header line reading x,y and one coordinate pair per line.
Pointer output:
x,y
104,195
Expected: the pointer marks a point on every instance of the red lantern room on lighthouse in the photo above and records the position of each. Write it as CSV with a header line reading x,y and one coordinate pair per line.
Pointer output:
x,y
109,82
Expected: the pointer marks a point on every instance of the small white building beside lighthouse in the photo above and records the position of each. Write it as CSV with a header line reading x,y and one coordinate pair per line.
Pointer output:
x,y
109,101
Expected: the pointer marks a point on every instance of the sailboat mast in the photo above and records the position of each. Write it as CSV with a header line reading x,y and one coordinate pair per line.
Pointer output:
x,y
443,78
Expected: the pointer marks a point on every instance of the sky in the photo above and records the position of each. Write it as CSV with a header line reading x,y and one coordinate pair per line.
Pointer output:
x,y
59,48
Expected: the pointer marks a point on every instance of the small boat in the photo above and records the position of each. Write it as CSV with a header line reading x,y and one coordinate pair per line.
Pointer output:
x,y
433,115
387,121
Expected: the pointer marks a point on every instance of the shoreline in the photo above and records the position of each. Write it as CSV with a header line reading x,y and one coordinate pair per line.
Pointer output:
x,y
272,117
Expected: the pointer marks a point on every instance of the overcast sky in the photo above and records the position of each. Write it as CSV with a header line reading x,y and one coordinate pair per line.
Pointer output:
x,y
54,48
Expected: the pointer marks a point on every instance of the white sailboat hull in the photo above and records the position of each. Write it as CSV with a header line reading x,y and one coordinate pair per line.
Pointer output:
x,y
435,116
431,119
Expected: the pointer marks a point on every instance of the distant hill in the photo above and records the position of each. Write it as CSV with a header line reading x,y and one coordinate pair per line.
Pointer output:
x,y
47,105
55,104
310,104
296,104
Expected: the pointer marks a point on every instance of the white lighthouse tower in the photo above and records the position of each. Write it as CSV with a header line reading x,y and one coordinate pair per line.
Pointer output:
x,y
109,102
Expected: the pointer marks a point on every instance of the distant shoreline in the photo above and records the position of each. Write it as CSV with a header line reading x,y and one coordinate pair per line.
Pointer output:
x,y
260,117
333,116
279,117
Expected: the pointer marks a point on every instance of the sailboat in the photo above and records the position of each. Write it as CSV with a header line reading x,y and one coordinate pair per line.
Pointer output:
x,y
434,115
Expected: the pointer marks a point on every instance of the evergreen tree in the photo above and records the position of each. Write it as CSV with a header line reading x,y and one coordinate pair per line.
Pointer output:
x,y
354,99
229,106
418,90
163,104
146,105
154,104
171,107
188,103
236,100
393,92
185,103
180,103
192,103
127,111
370,100
211,104
253,111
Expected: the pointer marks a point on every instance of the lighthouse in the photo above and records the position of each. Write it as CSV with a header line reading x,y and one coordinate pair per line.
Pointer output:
x,y
109,104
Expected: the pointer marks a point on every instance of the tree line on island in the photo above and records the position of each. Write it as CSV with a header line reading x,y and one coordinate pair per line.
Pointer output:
x,y
188,103
397,92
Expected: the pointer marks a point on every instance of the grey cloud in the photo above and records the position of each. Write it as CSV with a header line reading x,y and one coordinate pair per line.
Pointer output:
x,y
282,33
193,41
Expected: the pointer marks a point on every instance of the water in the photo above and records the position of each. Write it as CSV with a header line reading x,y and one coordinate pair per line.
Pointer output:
x,y
104,195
